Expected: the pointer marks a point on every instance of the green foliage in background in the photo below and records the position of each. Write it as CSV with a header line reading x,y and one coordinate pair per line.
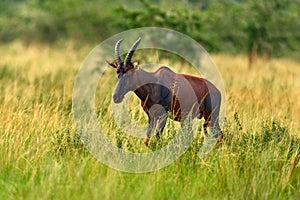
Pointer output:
x,y
266,28
50,21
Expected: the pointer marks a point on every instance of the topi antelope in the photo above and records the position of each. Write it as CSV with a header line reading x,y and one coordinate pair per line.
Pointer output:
x,y
165,91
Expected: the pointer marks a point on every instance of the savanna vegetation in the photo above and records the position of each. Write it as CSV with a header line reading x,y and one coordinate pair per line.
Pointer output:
x,y
43,44
42,156
256,28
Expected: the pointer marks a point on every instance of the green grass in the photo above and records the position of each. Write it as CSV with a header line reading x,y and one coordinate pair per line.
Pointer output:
x,y
41,156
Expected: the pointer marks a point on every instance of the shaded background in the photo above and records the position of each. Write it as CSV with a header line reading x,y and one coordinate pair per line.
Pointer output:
x,y
262,28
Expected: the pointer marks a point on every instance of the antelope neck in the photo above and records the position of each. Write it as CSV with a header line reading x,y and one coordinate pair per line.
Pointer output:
x,y
145,89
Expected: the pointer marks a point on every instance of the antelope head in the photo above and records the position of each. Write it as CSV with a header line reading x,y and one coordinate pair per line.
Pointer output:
x,y
126,71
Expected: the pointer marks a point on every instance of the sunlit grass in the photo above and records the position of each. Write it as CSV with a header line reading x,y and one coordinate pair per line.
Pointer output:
x,y
41,155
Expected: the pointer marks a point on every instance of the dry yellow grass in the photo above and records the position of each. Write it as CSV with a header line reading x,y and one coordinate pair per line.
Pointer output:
x,y
270,89
41,157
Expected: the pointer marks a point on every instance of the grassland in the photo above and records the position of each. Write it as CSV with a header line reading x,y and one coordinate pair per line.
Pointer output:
x,y
41,156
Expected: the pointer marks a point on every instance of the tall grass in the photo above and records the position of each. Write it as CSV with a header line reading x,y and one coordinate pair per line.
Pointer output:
x,y
41,155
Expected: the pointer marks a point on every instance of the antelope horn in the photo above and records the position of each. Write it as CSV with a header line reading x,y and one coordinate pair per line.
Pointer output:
x,y
117,51
131,51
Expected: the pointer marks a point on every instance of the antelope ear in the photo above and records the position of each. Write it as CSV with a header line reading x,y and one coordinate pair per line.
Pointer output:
x,y
112,64
135,64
